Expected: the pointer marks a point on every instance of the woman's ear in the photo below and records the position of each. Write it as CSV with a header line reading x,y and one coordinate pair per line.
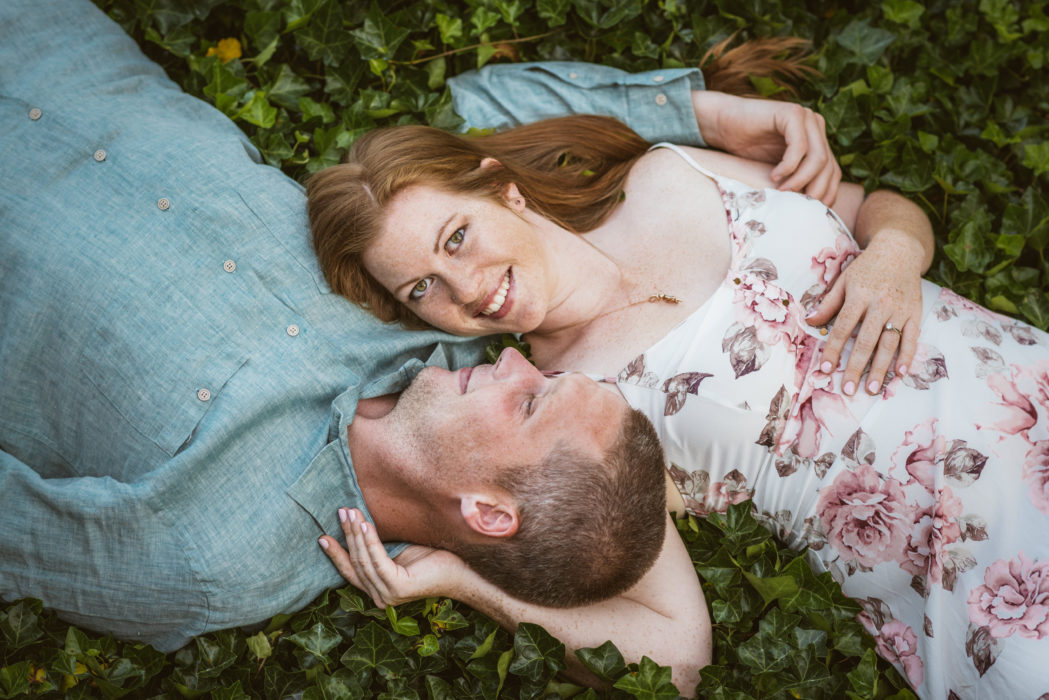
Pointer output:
x,y
513,197
488,516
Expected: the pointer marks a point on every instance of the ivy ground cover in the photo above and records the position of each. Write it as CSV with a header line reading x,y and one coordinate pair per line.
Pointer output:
x,y
945,101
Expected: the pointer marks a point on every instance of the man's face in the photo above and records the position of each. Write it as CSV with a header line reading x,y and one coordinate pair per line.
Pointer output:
x,y
484,418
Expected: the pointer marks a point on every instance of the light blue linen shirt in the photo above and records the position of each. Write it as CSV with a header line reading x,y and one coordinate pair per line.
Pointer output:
x,y
176,378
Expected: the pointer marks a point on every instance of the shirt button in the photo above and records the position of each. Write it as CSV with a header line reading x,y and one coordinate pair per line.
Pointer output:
x,y
293,330
657,79
164,203
229,266
573,76
100,155
661,99
203,394
35,114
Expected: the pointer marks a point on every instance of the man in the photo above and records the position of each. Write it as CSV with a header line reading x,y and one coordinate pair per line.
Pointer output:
x,y
177,382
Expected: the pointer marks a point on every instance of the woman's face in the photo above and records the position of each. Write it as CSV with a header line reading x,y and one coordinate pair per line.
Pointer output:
x,y
467,265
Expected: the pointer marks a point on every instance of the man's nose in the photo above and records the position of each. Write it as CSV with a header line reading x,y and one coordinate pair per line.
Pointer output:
x,y
512,364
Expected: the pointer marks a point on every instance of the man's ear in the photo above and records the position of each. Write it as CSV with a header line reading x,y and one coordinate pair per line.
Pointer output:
x,y
489,163
488,516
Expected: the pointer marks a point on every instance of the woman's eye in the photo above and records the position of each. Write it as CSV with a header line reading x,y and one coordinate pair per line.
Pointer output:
x,y
420,289
455,240
530,404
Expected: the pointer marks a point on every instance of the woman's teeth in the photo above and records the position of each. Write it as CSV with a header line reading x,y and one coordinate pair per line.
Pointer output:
x,y
500,296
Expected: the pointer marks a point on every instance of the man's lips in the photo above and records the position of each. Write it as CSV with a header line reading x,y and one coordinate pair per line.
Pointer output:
x,y
464,379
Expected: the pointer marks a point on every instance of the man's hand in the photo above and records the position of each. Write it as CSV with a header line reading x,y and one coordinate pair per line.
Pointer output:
x,y
419,572
785,133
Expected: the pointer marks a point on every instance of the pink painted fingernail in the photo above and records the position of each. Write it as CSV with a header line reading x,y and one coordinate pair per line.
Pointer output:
x,y
902,370
849,388
873,387
323,543
364,528
826,367
342,515
353,516
812,312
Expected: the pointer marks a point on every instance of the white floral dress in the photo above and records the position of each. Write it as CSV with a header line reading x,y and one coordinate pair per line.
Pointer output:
x,y
929,502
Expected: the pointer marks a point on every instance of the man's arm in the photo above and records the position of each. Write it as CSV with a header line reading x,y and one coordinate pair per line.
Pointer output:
x,y
663,105
664,616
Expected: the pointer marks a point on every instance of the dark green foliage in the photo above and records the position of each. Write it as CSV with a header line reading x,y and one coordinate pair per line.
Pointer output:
x,y
943,100
780,632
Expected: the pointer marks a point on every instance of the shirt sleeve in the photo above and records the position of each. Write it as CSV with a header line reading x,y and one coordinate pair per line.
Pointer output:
x,y
656,104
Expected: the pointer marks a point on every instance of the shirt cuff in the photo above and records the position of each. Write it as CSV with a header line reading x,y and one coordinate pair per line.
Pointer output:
x,y
656,104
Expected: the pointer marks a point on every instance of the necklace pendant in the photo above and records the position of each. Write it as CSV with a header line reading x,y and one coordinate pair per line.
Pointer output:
x,y
668,298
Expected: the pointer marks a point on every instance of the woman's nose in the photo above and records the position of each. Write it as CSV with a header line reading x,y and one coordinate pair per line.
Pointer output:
x,y
466,287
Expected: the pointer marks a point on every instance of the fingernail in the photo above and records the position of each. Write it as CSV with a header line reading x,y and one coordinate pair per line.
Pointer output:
x,y
849,388
826,367
812,312
873,387
323,543
364,528
902,370
342,515
353,516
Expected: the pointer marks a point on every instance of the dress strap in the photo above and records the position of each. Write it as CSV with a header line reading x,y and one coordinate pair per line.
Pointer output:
x,y
688,159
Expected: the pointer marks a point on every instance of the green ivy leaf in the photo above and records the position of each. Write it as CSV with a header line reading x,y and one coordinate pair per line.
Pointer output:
x,y
650,682
553,11
605,14
1036,157
323,36
373,648
19,625
258,111
604,661
317,640
905,12
406,626
537,655
14,679
866,43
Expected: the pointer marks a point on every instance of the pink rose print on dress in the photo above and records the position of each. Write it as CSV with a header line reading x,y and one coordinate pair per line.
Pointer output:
x,y
920,453
1036,475
956,303
897,643
866,518
1018,414
1013,598
829,262
928,366
702,497
934,527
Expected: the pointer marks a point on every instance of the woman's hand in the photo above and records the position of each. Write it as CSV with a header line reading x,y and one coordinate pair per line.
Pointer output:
x,y
882,285
785,133
418,572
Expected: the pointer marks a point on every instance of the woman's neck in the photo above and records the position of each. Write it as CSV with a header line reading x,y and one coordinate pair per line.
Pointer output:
x,y
586,282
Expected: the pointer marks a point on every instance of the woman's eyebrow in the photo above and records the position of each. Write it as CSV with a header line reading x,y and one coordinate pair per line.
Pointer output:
x,y
440,233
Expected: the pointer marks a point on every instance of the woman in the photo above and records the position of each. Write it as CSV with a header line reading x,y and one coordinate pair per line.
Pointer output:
x,y
924,487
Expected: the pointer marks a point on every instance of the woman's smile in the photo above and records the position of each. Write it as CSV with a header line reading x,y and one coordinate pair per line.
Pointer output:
x,y
499,302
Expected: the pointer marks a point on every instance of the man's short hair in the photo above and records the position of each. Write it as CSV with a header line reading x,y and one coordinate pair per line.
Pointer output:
x,y
588,529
